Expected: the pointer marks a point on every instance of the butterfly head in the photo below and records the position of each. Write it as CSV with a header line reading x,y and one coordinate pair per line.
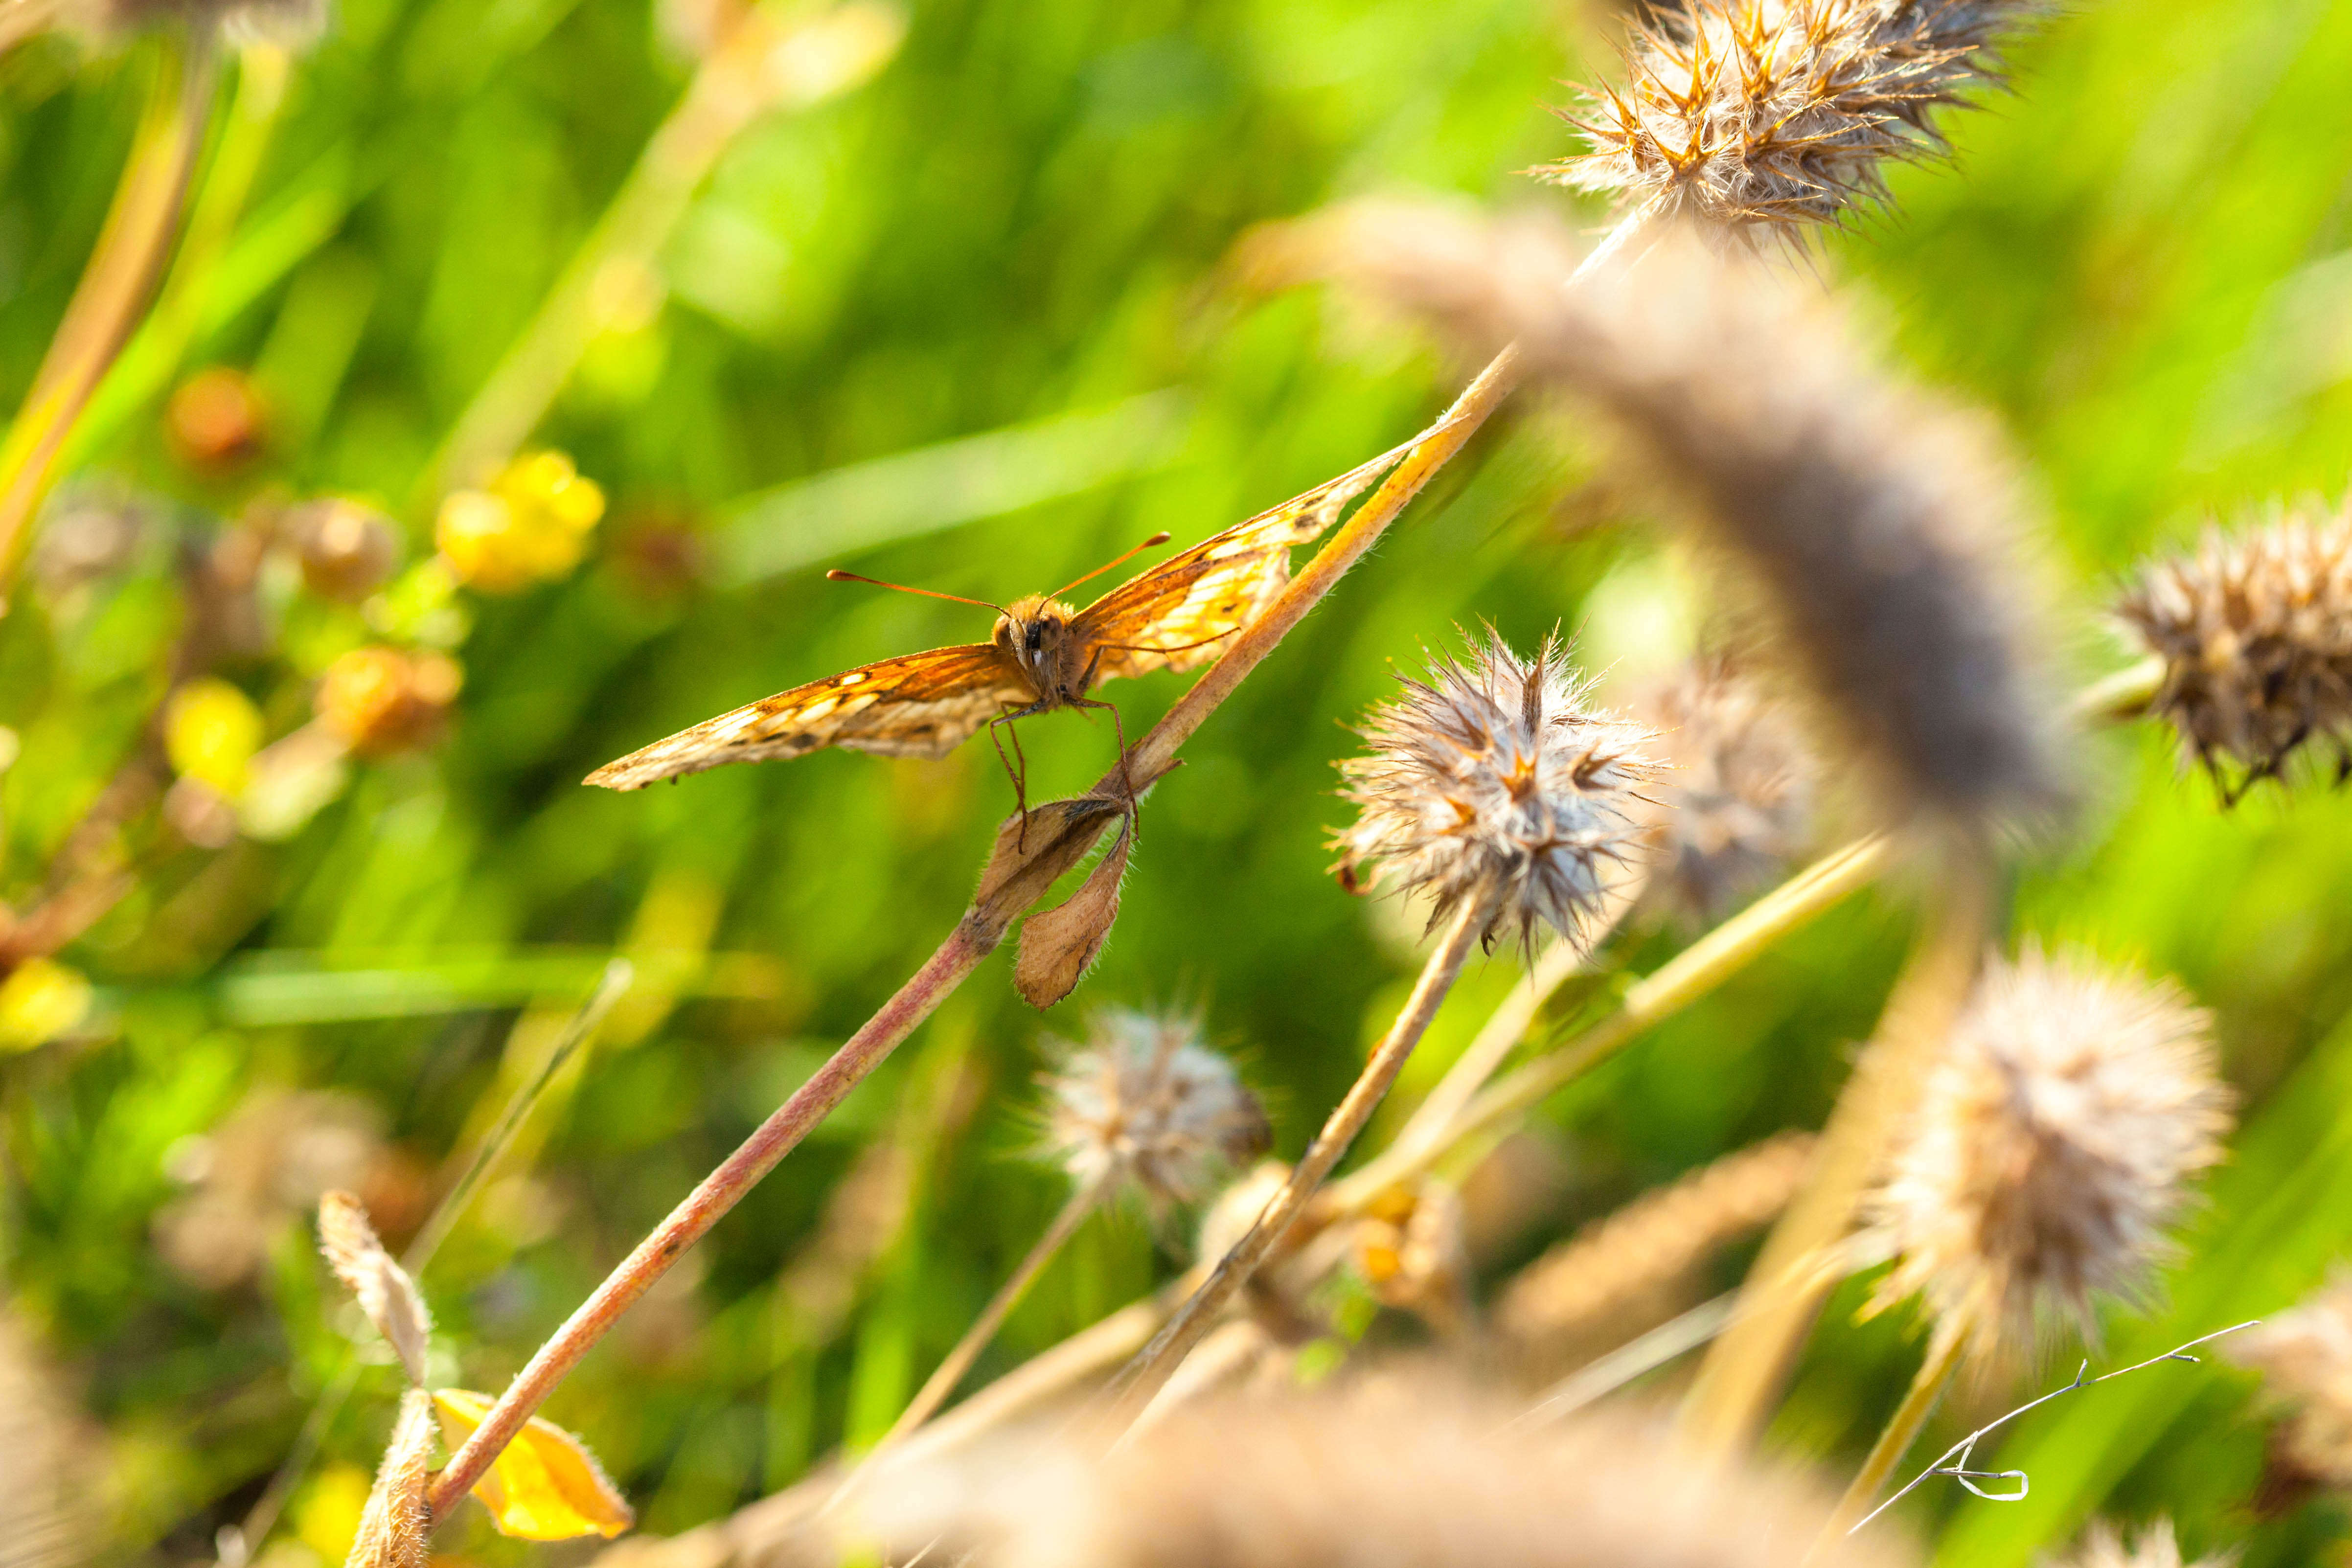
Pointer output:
x,y
1035,631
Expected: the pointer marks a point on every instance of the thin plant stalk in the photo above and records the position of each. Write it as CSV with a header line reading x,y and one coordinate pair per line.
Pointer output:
x,y
1045,856
614,277
951,1371
114,287
1682,980
1744,1370
1159,1360
254,1529
1945,1349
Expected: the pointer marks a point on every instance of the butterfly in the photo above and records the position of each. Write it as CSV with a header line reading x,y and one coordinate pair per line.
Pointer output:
x,y
1043,653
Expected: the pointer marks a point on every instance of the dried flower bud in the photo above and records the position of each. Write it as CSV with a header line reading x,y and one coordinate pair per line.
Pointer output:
x,y
1761,117
381,700
1415,1256
2305,1359
396,1527
1146,1102
1399,1472
530,526
211,732
1058,945
216,419
1737,792
2255,633
1494,785
92,530
385,1293
348,550
2050,1146
40,1000
2103,1547
1882,526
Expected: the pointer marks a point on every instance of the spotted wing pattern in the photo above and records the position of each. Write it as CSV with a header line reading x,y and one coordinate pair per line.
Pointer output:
x,y
923,705
1180,612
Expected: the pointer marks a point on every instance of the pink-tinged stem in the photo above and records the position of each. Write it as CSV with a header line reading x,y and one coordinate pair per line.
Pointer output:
x,y
721,1191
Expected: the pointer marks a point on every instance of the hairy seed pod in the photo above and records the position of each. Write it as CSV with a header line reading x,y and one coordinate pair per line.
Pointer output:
x,y
1737,790
1497,784
1145,1103
1768,119
2051,1146
2255,633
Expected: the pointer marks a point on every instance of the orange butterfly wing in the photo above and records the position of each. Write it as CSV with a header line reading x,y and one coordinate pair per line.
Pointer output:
x,y
922,704
1179,613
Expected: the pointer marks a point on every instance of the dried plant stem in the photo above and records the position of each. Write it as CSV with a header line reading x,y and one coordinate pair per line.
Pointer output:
x,y
1744,1370
951,1371
1058,842
613,277
262,1517
1159,1360
719,1192
1945,1349
2123,694
115,287
1682,980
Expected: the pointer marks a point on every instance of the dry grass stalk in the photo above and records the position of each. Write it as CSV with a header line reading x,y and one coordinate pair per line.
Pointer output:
x,y
50,1480
2255,633
1618,1276
1402,1473
1881,524
1765,119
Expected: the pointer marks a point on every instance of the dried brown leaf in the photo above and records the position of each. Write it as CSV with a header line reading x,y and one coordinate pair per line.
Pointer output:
x,y
385,1292
1058,945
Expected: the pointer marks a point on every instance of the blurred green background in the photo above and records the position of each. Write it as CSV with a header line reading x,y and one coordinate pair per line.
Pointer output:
x,y
997,273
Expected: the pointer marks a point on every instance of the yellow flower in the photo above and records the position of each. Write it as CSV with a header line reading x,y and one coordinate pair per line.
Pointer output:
x,y
211,731
381,700
40,1000
329,1514
546,1485
529,525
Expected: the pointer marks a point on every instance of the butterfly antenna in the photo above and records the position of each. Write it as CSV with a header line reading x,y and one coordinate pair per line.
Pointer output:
x,y
1123,556
837,575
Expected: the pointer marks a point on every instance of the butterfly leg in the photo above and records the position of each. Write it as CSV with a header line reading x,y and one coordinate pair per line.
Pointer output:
x,y
1126,779
1019,774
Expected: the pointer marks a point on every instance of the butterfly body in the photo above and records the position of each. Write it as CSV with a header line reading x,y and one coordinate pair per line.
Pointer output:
x,y
1042,654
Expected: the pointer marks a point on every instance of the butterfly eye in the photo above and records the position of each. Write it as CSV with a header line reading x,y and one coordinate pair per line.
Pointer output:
x,y
1036,637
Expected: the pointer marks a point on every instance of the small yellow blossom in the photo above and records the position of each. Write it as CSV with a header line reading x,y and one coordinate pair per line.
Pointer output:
x,y
40,1000
211,731
529,525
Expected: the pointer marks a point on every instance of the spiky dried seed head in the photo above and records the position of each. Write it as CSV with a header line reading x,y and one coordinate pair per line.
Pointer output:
x,y
1737,790
1146,1102
1768,119
2305,1359
1495,784
1881,529
2255,633
2156,1547
2051,1147
1397,1472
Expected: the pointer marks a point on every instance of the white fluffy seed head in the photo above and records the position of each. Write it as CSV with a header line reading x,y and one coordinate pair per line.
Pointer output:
x,y
1145,1103
2051,1146
2305,1358
1495,784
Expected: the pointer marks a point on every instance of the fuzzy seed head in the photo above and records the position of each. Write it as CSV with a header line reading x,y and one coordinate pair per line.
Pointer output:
x,y
2305,1359
2051,1147
1495,784
1145,1103
1738,793
1765,118
2155,1547
2255,633
1879,532
1391,1472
